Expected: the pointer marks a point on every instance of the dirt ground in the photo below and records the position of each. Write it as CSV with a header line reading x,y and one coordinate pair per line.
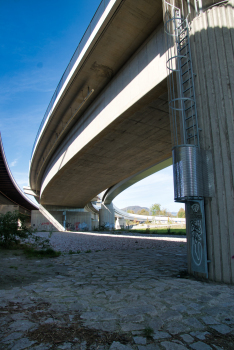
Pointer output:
x,y
68,328
17,270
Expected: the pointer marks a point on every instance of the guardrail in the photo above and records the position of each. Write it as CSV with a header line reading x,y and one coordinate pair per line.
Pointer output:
x,y
100,10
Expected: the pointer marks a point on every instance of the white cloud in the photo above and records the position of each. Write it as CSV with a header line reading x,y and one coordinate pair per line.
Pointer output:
x,y
14,162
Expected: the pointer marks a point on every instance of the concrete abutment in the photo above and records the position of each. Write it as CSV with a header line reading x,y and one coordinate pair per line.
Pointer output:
x,y
73,219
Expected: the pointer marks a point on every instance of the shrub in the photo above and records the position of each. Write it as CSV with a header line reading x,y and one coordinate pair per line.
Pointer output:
x,y
13,228
15,234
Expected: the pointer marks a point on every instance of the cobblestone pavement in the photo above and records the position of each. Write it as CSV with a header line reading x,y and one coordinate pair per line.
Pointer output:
x,y
119,300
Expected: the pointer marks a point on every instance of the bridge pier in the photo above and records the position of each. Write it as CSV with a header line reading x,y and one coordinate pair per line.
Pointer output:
x,y
200,54
107,216
211,39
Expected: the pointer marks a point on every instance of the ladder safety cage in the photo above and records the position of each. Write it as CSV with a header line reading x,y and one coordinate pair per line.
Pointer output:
x,y
182,102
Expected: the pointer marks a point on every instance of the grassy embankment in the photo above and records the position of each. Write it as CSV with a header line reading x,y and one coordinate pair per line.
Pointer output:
x,y
163,231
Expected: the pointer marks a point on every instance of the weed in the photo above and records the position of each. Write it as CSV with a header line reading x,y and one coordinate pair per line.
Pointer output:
x,y
47,253
88,251
97,251
147,332
78,252
13,267
50,265
71,252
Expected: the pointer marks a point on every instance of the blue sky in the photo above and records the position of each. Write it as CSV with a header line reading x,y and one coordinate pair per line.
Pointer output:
x,y
37,42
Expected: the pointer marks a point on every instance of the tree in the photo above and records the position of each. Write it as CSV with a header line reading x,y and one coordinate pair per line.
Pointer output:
x,y
181,213
163,212
128,222
155,209
130,211
147,221
143,212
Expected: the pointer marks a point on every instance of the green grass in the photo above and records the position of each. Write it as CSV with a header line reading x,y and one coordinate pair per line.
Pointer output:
x,y
47,253
164,231
148,332
88,251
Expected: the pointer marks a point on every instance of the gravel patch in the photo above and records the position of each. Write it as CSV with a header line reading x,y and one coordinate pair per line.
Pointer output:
x,y
83,241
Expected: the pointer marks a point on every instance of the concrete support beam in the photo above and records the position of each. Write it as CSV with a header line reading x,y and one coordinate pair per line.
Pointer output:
x,y
107,216
212,53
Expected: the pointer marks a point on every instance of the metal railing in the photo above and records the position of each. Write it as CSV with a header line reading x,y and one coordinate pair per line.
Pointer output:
x,y
100,10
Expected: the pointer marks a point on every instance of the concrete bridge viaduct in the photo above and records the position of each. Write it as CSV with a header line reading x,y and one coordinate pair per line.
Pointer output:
x,y
108,120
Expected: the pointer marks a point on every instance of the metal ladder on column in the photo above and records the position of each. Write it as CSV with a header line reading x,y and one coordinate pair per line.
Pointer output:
x,y
187,156
186,85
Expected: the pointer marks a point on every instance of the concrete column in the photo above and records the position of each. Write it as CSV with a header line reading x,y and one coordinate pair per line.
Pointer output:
x,y
107,216
122,222
212,43
117,225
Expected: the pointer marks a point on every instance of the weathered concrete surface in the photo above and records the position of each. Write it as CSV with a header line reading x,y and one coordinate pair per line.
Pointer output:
x,y
5,201
4,208
212,39
110,299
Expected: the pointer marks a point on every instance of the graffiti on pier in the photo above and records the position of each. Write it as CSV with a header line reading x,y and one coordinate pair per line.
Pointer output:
x,y
70,226
77,226
198,236
45,226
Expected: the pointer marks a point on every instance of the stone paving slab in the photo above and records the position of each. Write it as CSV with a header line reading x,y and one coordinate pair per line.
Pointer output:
x,y
119,300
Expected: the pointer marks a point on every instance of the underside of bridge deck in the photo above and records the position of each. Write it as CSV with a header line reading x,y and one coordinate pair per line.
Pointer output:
x,y
125,29
138,139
